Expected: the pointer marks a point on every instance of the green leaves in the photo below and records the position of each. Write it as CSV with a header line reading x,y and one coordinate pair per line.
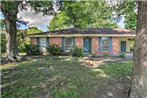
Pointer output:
x,y
60,21
83,14
131,21
43,6
11,8
128,8
33,30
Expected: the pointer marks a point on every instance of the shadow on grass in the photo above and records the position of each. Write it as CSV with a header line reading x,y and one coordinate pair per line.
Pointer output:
x,y
59,77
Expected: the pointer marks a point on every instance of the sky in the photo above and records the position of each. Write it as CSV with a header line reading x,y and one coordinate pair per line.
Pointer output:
x,y
35,20
40,21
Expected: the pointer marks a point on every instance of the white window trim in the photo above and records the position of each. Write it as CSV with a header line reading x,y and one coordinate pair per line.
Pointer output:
x,y
105,45
43,44
43,41
65,44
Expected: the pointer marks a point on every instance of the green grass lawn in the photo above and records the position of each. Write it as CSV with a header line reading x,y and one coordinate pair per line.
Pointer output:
x,y
60,77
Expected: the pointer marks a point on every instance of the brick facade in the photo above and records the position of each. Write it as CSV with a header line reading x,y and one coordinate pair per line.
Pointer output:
x,y
55,40
79,42
33,40
115,45
94,45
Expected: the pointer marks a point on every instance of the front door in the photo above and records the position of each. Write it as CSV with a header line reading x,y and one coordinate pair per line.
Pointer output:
x,y
87,45
123,46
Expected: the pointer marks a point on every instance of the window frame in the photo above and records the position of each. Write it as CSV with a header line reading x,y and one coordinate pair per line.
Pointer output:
x,y
105,45
42,42
65,49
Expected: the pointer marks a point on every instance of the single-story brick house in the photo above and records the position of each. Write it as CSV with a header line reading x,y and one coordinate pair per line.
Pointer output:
x,y
95,41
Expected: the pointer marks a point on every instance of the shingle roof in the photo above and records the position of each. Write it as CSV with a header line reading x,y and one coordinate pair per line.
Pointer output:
x,y
87,31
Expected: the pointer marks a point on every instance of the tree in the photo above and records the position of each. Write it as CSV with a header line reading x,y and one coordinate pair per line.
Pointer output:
x,y
21,40
83,14
3,36
2,25
127,8
33,30
21,37
131,21
60,21
10,10
139,79
130,15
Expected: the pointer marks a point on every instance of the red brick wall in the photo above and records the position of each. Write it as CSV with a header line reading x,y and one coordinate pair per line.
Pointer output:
x,y
55,40
115,45
33,40
79,42
94,45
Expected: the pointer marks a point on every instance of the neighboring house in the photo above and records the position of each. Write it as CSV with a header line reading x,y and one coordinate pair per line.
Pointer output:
x,y
95,41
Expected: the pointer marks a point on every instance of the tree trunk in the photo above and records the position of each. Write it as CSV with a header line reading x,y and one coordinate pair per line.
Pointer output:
x,y
139,79
10,10
11,37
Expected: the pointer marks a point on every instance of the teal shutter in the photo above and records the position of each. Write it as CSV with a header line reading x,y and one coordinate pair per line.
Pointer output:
x,y
73,41
47,41
99,45
110,44
38,42
62,44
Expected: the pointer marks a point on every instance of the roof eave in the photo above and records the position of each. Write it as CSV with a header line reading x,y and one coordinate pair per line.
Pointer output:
x,y
83,35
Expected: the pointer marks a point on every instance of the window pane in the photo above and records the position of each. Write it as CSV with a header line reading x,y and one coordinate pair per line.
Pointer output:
x,y
105,48
105,44
68,44
42,42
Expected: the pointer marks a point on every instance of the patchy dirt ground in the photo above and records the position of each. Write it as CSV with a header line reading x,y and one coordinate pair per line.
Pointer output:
x,y
117,89
98,61
95,77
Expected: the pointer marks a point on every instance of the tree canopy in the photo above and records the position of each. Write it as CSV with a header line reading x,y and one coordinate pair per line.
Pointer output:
x,y
128,9
130,14
10,10
33,30
83,14
131,21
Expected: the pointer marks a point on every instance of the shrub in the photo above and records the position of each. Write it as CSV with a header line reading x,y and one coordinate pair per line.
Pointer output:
x,y
106,55
54,49
93,55
31,49
21,46
122,55
77,52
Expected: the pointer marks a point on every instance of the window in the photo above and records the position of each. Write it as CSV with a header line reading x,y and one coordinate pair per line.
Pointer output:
x,y
105,44
42,44
68,44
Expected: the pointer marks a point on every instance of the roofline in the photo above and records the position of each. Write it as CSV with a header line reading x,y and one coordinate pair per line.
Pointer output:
x,y
84,35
